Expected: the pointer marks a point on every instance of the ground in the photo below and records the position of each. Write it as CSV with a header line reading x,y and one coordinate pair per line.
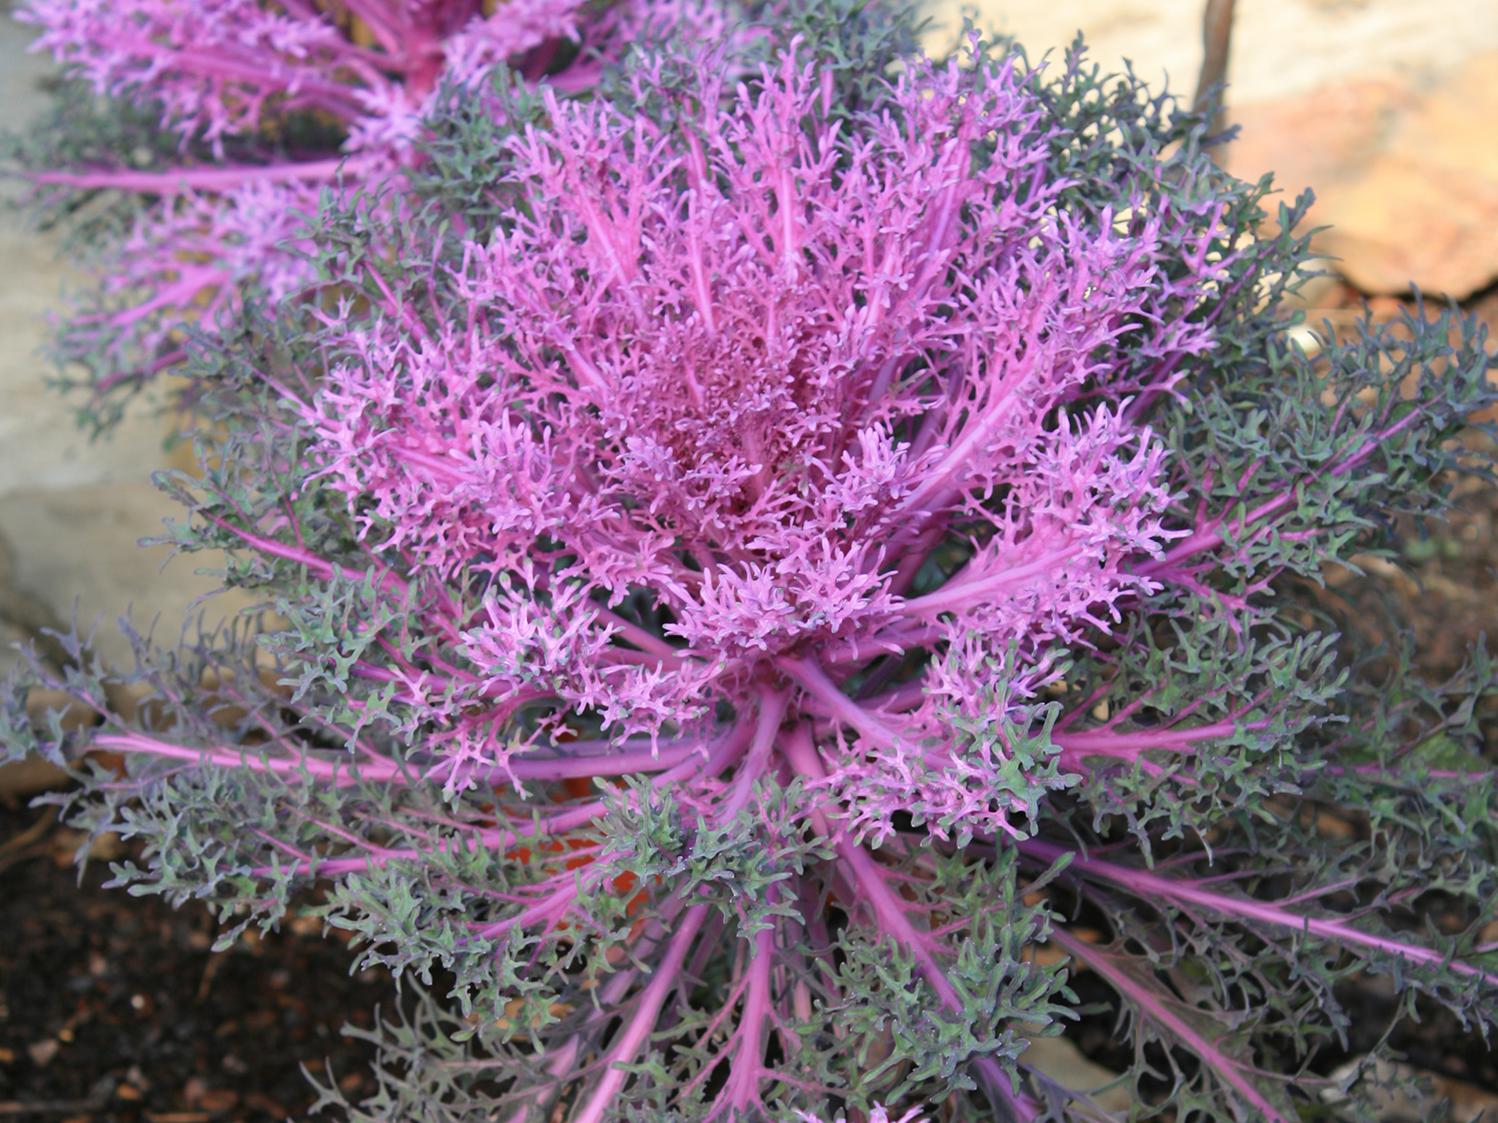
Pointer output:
x,y
114,1008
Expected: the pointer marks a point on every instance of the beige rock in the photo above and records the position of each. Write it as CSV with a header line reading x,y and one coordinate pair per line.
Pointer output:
x,y
10,637
1468,1103
71,509
1316,139
1386,108
1064,1063
1406,178
40,444
77,546
1280,49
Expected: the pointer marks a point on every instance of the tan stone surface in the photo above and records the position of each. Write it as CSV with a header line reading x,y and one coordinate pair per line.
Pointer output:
x,y
1280,47
86,551
1387,108
1061,1060
1406,176
72,510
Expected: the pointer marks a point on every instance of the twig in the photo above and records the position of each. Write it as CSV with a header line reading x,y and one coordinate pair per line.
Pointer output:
x,y
1217,40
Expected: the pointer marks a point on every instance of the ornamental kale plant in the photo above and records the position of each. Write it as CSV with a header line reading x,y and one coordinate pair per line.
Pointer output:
x,y
225,119
822,593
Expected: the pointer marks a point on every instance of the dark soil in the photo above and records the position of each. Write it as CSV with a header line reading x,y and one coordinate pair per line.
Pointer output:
x,y
113,1007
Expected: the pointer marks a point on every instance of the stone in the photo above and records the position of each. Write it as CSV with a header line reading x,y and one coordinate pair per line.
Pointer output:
x,y
41,442
71,509
1280,50
1468,1103
1384,107
1064,1063
10,637
1405,174
82,557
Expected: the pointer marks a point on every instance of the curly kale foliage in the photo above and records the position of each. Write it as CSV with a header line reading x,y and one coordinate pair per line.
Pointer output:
x,y
769,570
193,136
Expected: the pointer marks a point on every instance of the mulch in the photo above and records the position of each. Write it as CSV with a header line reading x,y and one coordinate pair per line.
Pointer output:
x,y
113,1007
